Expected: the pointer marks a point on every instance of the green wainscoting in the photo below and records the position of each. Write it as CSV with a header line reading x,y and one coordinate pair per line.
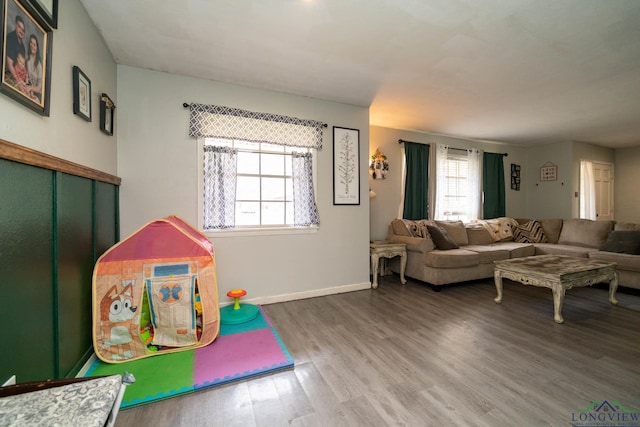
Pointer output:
x,y
53,227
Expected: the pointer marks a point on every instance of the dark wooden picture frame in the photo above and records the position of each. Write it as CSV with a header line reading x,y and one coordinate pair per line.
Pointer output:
x,y
30,83
48,9
81,94
346,166
107,113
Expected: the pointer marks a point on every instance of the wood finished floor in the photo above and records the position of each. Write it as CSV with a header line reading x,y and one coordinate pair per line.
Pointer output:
x,y
408,356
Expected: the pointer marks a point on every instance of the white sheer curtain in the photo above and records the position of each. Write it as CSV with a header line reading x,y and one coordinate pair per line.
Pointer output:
x,y
587,191
220,165
442,208
474,184
305,210
404,182
458,184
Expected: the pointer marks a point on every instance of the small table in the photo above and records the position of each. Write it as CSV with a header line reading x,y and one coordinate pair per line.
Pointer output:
x,y
385,249
558,273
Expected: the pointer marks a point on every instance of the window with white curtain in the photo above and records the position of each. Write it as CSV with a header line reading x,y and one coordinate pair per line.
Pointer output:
x,y
256,170
264,190
457,184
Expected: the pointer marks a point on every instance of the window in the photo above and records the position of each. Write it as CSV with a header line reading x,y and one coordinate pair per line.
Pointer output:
x,y
455,197
264,182
256,170
458,184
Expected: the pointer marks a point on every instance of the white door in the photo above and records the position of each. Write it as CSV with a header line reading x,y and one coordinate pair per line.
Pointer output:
x,y
603,175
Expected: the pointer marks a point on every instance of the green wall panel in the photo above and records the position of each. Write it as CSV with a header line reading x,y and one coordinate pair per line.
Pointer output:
x,y
53,226
106,224
26,272
75,267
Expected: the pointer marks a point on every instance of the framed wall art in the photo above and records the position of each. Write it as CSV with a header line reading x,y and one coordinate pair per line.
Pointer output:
x,y
48,9
548,172
515,177
107,113
346,166
25,63
81,94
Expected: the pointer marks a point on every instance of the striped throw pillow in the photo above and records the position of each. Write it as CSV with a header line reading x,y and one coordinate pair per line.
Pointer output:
x,y
529,232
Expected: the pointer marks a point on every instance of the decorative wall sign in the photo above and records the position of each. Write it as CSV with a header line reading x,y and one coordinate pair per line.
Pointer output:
x,y
346,166
107,113
81,94
548,172
25,62
379,165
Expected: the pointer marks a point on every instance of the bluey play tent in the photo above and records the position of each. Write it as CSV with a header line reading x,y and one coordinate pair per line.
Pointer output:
x,y
155,292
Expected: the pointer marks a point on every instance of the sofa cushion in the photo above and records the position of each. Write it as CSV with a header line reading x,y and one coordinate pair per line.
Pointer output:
x,y
626,226
624,262
516,250
584,232
499,228
551,228
623,241
454,258
558,249
414,244
529,232
441,238
489,253
456,230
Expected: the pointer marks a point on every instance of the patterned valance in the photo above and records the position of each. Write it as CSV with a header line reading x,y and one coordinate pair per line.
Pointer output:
x,y
216,121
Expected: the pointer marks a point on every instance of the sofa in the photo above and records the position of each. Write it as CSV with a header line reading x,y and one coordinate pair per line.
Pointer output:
x,y
445,252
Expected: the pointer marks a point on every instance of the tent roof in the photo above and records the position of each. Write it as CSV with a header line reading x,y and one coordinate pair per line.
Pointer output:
x,y
169,237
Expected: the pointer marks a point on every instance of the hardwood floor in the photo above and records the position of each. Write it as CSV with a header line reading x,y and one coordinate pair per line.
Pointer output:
x,y
405,355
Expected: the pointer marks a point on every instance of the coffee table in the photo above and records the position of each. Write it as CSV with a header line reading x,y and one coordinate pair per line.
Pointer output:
x,y
558,273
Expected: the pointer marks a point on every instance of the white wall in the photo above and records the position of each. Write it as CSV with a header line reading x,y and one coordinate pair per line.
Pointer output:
x,y
157,162
627,181
62,134
384,207
549,199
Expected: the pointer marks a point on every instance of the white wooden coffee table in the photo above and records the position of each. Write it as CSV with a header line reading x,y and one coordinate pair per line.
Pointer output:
x,y
384,249
557,272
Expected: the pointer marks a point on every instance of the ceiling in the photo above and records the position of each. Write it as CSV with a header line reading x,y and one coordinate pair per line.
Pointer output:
x,y
516,71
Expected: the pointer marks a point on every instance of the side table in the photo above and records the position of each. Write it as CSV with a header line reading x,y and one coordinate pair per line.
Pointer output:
x,y
384,249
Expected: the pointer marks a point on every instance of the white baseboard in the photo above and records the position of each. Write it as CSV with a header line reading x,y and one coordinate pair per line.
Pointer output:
x,y
86,366
307,294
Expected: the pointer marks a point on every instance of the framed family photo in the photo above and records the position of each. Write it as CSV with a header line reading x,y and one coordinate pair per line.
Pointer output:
x,y
48,9
81,94
107,113
26,55
346,166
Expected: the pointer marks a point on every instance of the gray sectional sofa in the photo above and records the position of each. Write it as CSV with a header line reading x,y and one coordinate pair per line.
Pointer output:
x,y
477,248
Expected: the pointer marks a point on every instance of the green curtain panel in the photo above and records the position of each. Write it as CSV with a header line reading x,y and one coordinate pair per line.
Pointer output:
x,y
416,191
493,185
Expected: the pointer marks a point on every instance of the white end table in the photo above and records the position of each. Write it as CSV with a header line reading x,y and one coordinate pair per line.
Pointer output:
x,y
386,249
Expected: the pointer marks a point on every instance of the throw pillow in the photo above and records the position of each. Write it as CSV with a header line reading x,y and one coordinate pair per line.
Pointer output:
x,y
622,241
455,230
400,227
441,238
499,228
529,232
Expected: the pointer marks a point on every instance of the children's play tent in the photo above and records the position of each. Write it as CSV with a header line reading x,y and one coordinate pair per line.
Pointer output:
x,y
155,292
